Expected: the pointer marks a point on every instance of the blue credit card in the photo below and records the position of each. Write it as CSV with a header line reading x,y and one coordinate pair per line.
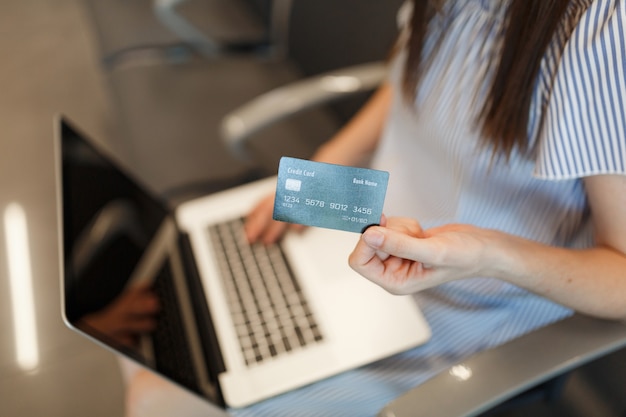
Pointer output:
x,y
328,195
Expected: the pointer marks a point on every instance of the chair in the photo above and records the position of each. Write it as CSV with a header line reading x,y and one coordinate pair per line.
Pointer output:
x,y
173,69
239,126
139,32
270,40
490,380
168,99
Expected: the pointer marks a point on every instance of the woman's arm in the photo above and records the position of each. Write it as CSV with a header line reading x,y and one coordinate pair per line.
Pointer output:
x,y
352,145
403,259
592,281
355,143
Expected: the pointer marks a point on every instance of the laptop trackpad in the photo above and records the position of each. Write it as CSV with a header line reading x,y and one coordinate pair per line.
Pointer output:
x,y
323,253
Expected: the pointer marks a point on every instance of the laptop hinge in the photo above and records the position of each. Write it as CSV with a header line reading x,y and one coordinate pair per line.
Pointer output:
x,y
210,345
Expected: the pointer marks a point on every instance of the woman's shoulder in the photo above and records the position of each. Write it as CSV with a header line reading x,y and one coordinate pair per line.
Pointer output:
x,y
585,116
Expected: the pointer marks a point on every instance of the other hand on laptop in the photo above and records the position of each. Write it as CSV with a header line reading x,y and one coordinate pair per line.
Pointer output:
x,y
260,227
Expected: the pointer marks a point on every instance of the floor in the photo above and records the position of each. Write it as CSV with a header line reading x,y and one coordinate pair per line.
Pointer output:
x,y
51,63
47,67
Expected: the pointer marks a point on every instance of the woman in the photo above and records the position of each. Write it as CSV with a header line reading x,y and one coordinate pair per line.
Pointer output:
x,y
503,126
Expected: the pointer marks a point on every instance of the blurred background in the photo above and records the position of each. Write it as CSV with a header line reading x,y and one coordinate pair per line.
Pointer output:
x,y
153,92
154,96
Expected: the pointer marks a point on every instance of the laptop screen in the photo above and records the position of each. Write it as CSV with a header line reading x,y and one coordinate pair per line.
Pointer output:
x,y
108,222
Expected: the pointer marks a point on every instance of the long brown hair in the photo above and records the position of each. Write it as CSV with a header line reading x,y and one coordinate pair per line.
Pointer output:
x,y
530,25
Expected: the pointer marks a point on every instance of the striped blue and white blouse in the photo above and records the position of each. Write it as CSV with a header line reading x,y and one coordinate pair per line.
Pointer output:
x,y
440,174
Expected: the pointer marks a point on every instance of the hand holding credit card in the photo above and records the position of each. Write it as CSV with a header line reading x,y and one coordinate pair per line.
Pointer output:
x,y
327,195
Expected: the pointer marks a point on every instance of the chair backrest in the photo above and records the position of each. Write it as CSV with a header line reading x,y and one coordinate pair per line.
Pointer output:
x,y
127,29
329,34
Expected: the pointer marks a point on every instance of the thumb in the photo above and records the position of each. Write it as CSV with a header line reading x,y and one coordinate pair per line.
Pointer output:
x,y
398,244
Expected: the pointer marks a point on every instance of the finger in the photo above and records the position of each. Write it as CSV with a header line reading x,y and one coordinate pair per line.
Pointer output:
x,y
147,303
140,324
255,226
259,219
365,259
402,245
405,225
128,340
138,300
273,232
380,254
298,228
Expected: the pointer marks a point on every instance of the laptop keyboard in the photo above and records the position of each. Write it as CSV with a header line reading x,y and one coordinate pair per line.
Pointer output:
x,y
268,307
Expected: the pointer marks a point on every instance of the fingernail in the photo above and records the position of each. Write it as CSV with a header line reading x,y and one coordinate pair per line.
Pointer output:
x,y
373,237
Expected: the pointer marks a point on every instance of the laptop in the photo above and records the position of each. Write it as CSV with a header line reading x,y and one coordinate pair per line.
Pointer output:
x,y
234,323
